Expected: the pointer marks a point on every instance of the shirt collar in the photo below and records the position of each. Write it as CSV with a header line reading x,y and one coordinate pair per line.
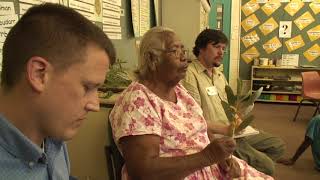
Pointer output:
x,y
16,143
200,68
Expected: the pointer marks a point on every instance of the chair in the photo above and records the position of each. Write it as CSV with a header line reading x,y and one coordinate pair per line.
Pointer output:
x,y
310,90
114,158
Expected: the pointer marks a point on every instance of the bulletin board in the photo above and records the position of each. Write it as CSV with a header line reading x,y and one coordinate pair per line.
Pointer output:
x,y
261,21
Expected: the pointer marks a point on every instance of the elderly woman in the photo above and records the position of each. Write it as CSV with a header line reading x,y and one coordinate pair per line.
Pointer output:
x,y
160,129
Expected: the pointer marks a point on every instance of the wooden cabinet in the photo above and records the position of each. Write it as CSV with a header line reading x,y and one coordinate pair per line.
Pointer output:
x,y
280,84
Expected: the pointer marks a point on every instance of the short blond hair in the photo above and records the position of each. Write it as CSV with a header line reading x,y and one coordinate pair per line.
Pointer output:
x,y
152,44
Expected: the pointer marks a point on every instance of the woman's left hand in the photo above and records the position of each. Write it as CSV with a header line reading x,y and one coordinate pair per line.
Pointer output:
x,y
231,167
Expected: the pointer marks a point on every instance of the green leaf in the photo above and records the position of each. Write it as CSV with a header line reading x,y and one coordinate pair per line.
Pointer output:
x,y
246,122
230,95
230,112
255,95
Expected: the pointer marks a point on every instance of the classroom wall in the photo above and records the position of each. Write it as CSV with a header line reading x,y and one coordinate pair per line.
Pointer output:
x,y
279,15
86,149
184,18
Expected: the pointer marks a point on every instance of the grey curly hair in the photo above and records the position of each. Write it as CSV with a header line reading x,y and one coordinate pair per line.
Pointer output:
x,y
152,45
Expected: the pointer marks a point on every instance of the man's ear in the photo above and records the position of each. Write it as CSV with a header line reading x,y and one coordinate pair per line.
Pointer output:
x,y
37,73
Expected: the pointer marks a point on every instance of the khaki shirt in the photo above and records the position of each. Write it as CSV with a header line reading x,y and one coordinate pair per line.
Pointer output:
x,y
198,83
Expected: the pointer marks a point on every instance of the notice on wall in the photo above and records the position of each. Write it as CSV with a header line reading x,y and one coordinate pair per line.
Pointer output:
x,y
293,7
250,39
3,34
111,18
8,21
250,22
312,53
91,9
6,8
270,7
304,20
250,54
272,45
26,4
290,60
140,12
250,7
314,33
135,14
268,26
8,18
315,6
144,16
294,43
285,29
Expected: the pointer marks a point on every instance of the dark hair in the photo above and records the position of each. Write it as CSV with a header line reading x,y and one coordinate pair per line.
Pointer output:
x,y
208,36
54,32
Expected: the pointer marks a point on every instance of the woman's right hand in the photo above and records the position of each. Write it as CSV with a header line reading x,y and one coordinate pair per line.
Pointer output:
x,y
219,149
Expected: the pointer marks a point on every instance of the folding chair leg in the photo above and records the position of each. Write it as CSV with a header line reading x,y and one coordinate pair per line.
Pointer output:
x,y
295,116
317,109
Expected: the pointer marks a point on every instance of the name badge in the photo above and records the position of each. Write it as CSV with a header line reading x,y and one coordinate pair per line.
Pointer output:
x,y
212,91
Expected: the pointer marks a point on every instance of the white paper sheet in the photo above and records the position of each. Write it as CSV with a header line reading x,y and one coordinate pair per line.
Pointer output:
x,y
7,8
8,20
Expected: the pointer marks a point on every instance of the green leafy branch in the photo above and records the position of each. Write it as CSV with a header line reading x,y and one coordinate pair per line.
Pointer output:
x,y
117,79
239,107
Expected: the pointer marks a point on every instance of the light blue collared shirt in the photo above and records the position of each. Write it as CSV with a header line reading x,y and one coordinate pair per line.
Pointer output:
x,y
21,159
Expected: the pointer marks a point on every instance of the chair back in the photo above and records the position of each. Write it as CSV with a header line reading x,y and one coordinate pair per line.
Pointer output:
x,y
310,82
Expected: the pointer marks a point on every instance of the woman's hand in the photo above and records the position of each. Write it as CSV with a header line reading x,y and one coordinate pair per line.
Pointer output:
x,y
231,167
219,149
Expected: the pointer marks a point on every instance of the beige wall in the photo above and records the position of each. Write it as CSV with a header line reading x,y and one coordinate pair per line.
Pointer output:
x,y
183,16
86,150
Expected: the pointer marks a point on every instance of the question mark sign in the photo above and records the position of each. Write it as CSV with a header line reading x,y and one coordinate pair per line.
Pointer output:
x,y
285,27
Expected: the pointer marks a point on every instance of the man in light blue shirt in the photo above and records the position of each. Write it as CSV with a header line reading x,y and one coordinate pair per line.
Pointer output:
x,y
54,60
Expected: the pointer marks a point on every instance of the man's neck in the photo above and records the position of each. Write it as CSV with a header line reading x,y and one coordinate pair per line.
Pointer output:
x,y
208,67
19,114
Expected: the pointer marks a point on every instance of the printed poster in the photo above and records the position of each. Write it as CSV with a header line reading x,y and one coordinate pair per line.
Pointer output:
x,y
8,21
294,43
268,26
111,23
314,33
315,6
312,53
272,45
290,60
250,7
250,39
270,7
250,54
285,29
7,8
250,22
304,20
293,7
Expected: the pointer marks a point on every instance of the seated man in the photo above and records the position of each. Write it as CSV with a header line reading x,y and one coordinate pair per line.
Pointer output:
x,y
207,86
312,137
53,61
159,128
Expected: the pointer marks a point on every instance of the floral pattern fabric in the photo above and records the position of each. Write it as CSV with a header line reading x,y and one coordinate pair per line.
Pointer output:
x,y
180,126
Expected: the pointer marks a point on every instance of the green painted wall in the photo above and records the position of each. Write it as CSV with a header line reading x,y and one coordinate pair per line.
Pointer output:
x,y
226,27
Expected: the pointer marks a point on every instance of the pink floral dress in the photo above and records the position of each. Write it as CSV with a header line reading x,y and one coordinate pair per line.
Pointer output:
x,y
180,126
